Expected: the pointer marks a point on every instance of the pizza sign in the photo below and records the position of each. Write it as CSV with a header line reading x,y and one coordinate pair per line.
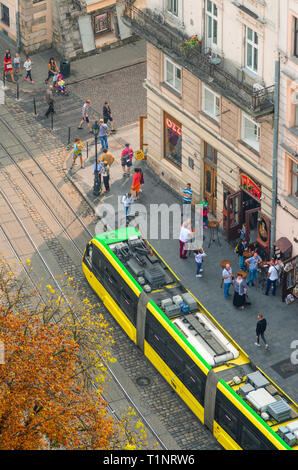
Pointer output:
x,y
171,125
249,185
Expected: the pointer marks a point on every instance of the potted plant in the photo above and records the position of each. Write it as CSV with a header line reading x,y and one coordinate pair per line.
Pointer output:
x,y
190,45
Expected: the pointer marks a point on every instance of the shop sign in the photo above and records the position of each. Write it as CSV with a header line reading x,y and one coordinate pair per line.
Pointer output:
x,y
171,125
250,186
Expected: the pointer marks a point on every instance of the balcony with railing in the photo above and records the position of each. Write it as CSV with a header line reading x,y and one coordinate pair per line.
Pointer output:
x,y
212,69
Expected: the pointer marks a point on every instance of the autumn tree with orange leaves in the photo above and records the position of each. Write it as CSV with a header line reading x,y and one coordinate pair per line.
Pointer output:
x,y
53,372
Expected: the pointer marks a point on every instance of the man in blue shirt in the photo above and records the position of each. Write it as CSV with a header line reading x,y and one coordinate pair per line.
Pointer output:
x,y
187,194
253,262
227,276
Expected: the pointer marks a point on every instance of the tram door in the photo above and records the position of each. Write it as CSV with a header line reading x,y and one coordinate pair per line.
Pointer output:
x,y
234,215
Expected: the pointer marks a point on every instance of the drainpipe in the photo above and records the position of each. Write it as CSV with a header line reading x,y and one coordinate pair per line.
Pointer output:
x,y
274,156
18,26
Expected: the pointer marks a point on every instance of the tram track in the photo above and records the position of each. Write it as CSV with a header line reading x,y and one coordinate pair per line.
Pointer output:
x,y
173,413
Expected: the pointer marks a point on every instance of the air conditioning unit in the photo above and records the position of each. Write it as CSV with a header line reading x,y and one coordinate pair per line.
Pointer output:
x,y
257,87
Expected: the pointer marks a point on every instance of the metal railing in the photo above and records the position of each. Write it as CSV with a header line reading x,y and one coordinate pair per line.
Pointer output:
x,y
199,60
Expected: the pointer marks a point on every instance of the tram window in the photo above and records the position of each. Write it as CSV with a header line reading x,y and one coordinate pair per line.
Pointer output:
x,y
97,261
193,382
249,441
88,255
228,421
128,302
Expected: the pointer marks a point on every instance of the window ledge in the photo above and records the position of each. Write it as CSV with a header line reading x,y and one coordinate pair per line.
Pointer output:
x,y
293,130
212,119
249,147
172,90
291,200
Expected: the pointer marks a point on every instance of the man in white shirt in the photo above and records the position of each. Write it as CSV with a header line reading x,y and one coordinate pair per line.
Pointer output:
x,y
273,275
186,234
127,201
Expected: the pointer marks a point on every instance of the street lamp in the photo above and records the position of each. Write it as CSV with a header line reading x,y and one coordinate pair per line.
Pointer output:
x,y
97,180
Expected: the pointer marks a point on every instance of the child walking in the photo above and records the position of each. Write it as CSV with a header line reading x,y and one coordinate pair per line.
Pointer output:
x,y
17,63
199,255
28,66
77,151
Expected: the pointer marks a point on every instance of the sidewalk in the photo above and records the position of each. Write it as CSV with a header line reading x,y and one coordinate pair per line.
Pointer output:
x,y
81,69
240,324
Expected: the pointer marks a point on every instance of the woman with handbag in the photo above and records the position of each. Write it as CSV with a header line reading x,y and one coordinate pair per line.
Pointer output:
x,y
8,67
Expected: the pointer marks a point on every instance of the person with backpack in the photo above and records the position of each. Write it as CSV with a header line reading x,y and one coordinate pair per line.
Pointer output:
x,y
107,115
273,275
126,159
240,248
77,151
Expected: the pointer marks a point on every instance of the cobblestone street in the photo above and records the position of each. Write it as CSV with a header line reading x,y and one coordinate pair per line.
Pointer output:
x,y
127,97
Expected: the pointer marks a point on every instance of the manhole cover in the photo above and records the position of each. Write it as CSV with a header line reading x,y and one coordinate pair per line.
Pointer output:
x,y
143,381
285,368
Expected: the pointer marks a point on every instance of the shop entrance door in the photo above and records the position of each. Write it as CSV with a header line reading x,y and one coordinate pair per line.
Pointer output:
x,y
251,222
234,215
210,182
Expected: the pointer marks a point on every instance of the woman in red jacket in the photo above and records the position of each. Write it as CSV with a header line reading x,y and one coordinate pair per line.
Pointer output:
x,y
136,183
8,67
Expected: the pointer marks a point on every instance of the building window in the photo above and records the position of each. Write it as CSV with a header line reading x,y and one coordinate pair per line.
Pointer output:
x,y
296,37
210,103
294,180
101,23
250,132
5,15
172,75
172,140
251,50
172,7
211,23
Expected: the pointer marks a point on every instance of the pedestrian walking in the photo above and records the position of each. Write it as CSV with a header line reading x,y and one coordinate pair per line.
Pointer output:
x,y
127,201
17,63
253,263
273,275
103,134
28,68
136,183
241,247
106,177
107,157
186,234
77,151
199,255
204,204
260,330
85,116
240,291
187,194
107,115
227,276
126,159
53,69
100,166
50,100
8,66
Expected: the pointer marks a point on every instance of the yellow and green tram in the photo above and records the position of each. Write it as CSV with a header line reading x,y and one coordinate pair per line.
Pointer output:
x,y
242,407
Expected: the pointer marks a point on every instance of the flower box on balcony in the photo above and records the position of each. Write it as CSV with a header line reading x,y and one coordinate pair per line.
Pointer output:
x,y
191,45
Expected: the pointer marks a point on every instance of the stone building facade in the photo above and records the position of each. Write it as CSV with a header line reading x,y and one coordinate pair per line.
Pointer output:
x,y
210,109
287,194
73,27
